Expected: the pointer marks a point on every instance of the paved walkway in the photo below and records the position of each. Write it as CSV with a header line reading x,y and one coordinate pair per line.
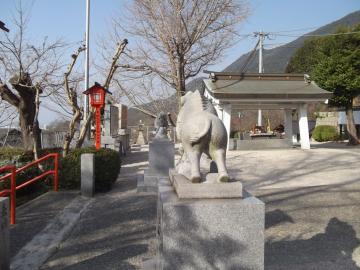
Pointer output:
x,y
118,229
34,216
312,204
312,212
325,164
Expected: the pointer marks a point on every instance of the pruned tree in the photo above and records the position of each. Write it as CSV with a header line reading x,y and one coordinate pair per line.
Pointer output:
x,y
178,38
73,100
31,71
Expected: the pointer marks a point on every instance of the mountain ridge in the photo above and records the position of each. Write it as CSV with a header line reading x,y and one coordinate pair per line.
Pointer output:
x,y
276,59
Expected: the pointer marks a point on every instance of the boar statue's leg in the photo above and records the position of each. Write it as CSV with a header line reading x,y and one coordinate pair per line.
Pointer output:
x,y
219,157
194,158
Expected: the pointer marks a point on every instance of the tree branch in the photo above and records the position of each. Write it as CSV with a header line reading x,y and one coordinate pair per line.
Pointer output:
x,y
120,49
8,96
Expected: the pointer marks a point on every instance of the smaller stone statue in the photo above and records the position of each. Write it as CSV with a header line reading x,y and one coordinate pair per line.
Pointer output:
x,y
141,138
161,125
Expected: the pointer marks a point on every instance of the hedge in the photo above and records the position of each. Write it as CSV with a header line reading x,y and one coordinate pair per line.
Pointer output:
x,y
107,167
19,157
325,133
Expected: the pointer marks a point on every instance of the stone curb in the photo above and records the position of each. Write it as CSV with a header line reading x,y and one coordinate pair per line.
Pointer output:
x,y
45,243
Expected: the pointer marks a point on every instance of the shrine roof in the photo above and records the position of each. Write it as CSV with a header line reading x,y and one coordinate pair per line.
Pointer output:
x,y
265,86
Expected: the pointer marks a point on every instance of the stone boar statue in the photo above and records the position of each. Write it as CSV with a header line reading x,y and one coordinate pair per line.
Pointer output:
x,y
201,131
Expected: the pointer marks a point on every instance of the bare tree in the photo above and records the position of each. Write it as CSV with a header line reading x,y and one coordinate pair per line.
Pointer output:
x,y
72,96
178,38
33,71
7,114
72,100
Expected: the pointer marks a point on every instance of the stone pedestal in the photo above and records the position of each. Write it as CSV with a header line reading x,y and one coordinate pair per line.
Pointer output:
x,y
209,189
4,234
149,183
210,233
87,175
161,157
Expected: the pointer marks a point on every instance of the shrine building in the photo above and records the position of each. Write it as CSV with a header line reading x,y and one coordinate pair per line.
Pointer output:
x,y
233,92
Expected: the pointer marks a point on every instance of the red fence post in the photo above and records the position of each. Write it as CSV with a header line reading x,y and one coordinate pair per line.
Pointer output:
x,y
56,172
13,196
14,188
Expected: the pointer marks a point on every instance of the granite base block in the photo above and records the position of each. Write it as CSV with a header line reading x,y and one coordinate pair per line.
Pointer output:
x,y
87,175
161,157
143,187
148,182
210,233
210,189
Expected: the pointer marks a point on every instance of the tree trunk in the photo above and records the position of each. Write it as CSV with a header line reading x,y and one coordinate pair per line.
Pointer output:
x,y
181,77
83,130
351,129
35,127
70,135
27,110
26,117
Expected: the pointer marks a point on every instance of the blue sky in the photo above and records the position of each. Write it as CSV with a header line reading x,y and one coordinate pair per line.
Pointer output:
x,y
66,19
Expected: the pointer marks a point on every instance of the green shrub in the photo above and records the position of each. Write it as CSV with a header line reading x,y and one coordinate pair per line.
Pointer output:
x,y
235,134
19,157
107,167
325,133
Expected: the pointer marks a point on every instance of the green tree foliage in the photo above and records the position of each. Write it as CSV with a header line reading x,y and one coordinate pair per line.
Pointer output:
x,y
305,58
334,63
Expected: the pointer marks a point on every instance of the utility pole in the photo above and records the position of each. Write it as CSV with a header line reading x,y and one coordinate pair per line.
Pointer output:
x,y
261,36
86,85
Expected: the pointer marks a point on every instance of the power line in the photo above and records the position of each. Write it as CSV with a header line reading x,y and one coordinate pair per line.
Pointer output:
x,y
296,30
317,35
296,35
247,61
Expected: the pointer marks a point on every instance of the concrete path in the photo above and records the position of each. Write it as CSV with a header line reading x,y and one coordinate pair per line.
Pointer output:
x,y
312,212
34,216
44,244
118,229
335,164
312,204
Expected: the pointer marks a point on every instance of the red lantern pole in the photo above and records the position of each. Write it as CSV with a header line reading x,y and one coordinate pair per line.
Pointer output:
x,y
98,129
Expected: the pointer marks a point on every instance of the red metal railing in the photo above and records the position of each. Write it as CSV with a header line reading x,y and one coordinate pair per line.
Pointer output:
x,y
14,172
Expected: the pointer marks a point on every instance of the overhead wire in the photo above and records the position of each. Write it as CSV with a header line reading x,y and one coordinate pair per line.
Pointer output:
x,y
316,35
296,30
247,61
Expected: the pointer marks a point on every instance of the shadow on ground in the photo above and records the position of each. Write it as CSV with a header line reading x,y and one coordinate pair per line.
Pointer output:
x,y
117,231
335,245
312,228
